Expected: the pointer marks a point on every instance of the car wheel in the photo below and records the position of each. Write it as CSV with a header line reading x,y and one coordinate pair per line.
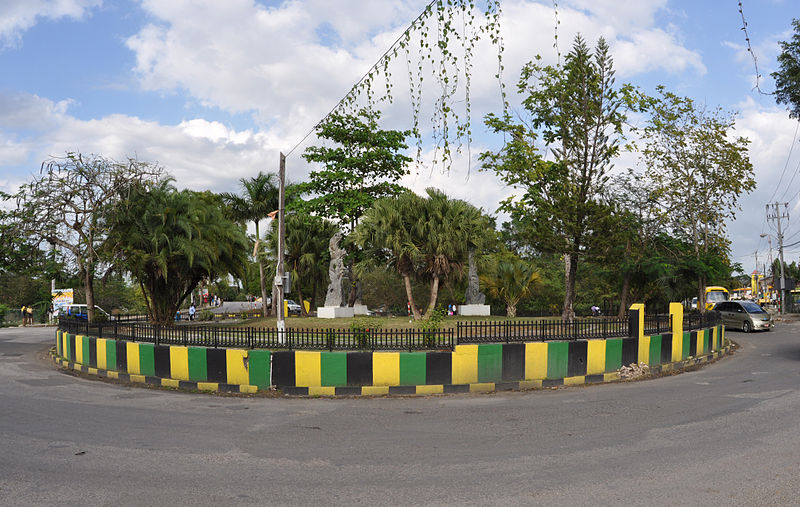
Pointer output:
x,y
746,326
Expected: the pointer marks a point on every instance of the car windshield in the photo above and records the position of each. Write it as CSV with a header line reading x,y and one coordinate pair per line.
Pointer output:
x,y
716,295
751,307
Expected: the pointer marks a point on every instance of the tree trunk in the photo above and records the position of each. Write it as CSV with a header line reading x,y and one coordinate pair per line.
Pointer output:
x,y
352,296
570,271
623,296
434,296
511,310
88,285
410,296
263,287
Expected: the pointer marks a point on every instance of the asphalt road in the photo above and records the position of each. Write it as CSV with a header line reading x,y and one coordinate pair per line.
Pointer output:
x,y
727,434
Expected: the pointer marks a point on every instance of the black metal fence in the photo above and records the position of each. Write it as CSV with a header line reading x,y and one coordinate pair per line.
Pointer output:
x,y
379,339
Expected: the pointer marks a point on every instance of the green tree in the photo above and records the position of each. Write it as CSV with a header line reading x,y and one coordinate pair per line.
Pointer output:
x,y
258,200
363,165
510,279
576,110
67,203
787,77
700,170
171,240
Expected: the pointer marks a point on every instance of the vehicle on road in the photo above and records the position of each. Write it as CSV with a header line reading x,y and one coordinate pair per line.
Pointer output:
x,y
745,315
79,311
715,295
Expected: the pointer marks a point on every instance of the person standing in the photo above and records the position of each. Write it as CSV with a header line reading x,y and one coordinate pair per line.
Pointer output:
x,y
24,313
192,311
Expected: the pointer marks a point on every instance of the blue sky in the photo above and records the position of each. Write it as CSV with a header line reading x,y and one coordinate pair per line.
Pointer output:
x,y
214,90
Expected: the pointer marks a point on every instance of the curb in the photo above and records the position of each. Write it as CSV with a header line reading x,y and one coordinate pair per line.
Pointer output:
x,y
412,390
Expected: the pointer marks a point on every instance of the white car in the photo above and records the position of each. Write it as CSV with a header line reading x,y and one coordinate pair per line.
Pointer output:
x,y
293,308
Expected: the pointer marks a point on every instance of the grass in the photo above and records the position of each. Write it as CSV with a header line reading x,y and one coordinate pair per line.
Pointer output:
x,y
379,322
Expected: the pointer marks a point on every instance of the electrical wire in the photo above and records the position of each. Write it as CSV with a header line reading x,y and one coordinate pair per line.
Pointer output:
x,y
786,165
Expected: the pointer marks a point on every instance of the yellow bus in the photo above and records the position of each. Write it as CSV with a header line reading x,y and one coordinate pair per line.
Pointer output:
x,y
715,294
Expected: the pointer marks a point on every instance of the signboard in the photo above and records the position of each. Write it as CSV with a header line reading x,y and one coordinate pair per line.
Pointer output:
x,y
62,298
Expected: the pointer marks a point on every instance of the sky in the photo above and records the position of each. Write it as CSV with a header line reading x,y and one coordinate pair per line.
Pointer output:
x,y
214,91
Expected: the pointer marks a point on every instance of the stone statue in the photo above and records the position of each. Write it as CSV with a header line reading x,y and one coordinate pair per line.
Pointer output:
x,y
335,272
473,295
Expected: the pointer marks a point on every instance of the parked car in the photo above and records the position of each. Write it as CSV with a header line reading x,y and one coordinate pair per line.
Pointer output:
x,y
745,315
78,311
293,308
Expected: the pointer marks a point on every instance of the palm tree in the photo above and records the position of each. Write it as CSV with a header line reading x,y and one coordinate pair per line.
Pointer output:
x,y
511,279
259,198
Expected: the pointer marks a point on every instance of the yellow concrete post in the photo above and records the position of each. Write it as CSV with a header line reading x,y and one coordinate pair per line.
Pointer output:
x,y
676,318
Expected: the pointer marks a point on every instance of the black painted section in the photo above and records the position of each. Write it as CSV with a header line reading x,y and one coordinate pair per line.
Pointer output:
x,y
439,368
71,347
283,369
456,388
630,351
152,381
595,379
513,361
693,344
217,362
93,352
576,358
227,388
162,361
295,391
506,386
666,348
402,390
633,326
124,377
187,384
359,368
553,382
347,390
122,356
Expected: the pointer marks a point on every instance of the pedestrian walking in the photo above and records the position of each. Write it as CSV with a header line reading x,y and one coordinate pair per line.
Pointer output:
x,y
192,311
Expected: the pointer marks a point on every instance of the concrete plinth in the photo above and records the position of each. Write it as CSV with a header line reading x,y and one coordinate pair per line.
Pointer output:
x,y
475,310
334,312
360,310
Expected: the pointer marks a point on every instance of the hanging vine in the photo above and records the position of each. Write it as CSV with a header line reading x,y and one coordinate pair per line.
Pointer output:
x,y
440,45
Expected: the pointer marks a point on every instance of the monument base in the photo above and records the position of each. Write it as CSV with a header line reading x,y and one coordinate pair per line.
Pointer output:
x,y
475,310
334,312
360,310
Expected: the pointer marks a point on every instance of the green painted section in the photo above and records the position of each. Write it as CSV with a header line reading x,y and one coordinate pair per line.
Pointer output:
x,y
614,354
147,360
655,350
687,338
111,355
258,368
490,363
84,360
333,366
413,368
198,365
557,353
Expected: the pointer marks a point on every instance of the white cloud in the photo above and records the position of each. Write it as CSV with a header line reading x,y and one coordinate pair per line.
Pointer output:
x,y
16,16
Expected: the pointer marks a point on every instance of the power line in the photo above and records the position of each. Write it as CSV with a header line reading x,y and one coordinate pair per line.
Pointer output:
x,y
750,50
786,165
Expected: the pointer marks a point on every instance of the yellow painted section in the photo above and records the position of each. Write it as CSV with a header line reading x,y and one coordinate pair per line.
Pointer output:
x,y
375,390
574,381
535,361
483,387
170,382
640,307
133,358
112,374
676,314
644,350
321,390
92,371
179,363
595,357
248,389
465,364
237,373
307,369
530,384
102,356
138,378
207,386
610,377
433,389
64,345
78,349
386,369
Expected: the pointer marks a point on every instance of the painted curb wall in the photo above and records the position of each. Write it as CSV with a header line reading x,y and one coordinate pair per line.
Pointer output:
x,y
469,368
